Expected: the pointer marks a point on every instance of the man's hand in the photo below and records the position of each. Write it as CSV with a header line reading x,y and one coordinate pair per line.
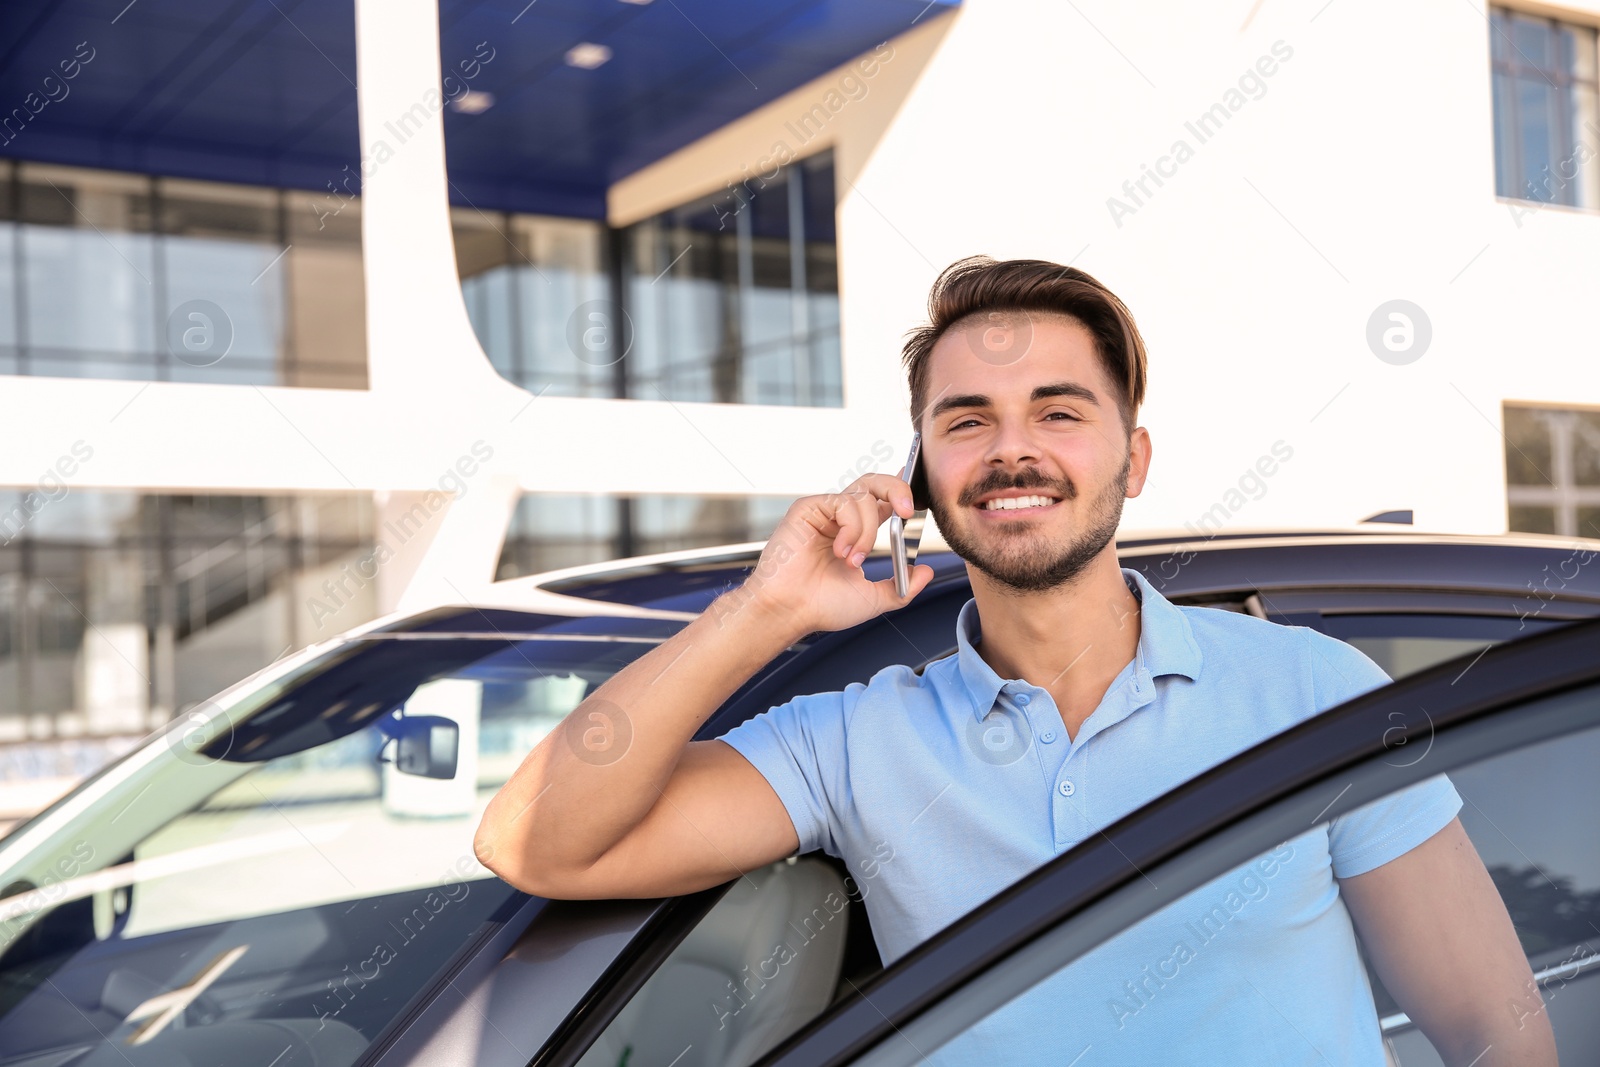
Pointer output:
x,y
809,573
1440,939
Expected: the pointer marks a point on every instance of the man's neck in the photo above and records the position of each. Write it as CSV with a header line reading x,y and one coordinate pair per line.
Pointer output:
x,y
1070,641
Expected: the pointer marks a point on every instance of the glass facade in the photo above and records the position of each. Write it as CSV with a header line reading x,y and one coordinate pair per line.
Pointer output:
x,y
553,530
120,609
1545,110
523,277
1553,470
733,298
112,275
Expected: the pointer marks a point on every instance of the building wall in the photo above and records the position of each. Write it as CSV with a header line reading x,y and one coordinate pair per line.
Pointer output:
x,y
1358,172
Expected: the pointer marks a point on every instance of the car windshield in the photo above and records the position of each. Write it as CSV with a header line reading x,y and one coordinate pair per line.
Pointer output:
x,y
288,870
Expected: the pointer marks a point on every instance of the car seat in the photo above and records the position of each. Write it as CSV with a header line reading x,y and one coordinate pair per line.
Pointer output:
x,y
762,962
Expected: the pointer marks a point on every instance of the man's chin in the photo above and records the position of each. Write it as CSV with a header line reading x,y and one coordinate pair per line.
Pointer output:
x,y
1024,563
1024,560
1030,575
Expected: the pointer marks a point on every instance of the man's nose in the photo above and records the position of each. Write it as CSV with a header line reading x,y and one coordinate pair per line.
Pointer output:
x,y
1013,449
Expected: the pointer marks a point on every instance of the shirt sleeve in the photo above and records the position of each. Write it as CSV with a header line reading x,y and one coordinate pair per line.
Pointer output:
x,y
1391,826
799,747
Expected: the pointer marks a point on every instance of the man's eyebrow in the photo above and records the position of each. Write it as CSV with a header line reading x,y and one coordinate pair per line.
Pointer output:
x,y
1040,392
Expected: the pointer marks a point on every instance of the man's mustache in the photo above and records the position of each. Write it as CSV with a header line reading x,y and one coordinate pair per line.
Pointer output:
x,y
1067,490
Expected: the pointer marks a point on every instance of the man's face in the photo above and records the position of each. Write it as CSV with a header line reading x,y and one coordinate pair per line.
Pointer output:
x,y
1020,406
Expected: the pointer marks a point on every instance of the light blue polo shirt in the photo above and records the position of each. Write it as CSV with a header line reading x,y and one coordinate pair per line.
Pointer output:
x,y
941,789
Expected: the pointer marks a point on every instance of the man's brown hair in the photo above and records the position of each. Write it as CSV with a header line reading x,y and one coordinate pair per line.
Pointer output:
x,y
980,284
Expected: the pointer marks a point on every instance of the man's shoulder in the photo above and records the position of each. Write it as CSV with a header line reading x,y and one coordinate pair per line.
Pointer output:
x,y
895,682
901,680
1338,669
902,693
1221,626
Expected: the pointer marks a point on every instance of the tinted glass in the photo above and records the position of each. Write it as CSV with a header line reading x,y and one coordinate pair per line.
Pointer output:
x,y
767,958
1406,644
1545,861
118,275
734,297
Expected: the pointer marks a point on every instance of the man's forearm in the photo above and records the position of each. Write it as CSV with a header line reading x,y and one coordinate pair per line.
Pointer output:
x,y
603,768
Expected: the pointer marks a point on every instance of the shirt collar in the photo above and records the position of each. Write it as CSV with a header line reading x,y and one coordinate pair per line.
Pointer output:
x,y
1166,645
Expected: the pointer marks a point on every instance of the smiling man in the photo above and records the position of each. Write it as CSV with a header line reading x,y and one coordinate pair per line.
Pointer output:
x,y
1077,693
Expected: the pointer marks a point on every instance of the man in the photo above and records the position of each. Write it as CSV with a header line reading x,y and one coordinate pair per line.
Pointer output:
x,y
1083,694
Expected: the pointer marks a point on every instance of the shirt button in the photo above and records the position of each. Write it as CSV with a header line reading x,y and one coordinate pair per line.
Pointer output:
x,y
1066,787
1048,736
1023,698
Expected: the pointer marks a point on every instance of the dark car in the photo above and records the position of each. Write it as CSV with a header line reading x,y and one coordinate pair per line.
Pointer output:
x,y
286,876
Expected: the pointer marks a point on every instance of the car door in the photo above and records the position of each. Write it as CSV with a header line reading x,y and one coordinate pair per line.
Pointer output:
x,y
1518,734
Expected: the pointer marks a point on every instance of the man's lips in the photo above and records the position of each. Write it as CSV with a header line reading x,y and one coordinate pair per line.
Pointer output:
x,y
1018,512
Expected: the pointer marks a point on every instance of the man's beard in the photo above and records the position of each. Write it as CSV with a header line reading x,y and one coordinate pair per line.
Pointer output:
x,y
1026,560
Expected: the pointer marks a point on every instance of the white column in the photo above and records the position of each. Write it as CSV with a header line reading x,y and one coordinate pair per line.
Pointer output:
x,y
419,339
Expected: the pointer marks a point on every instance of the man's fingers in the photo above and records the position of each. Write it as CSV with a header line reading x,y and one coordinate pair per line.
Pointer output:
x,y
889,488
916,582
859,511
869,509
842,510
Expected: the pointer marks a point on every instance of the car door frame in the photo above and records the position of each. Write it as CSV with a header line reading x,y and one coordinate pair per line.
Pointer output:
x,y
1092,876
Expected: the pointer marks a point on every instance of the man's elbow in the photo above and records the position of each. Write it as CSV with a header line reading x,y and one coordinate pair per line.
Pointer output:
x,y
509,860
1518,1033
522,865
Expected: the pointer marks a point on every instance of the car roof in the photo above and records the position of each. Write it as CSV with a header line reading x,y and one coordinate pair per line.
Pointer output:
x,y
679,584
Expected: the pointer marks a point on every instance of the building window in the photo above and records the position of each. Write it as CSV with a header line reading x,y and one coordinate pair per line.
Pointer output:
x,y
1545,130
1553,470
733,298
120,610
528,281
112,275
553,530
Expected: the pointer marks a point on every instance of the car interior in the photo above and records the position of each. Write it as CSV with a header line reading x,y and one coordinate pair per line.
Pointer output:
x,y
777,949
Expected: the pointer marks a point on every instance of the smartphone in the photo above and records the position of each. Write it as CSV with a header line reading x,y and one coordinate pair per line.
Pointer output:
x,y
904,534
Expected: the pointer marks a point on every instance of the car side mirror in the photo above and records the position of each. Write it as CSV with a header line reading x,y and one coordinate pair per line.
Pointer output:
x,y
425,745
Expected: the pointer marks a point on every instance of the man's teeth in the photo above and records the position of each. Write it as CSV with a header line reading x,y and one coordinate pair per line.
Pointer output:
x,y
1011,503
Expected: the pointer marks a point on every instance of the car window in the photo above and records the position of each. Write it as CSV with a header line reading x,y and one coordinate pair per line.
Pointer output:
x,y
1544,858
767,958
1259,962
1404,644
291,872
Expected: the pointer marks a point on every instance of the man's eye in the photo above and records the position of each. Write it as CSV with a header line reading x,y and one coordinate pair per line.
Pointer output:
x,y
1065,414
963,422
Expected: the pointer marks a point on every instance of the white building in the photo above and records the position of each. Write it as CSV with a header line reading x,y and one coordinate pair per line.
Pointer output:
x,y
245,409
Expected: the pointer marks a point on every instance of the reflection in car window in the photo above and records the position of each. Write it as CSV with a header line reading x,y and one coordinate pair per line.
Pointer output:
x,y
284,885
1203,974
1530,814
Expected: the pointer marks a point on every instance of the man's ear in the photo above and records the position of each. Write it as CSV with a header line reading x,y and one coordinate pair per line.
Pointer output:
x,y
1138,460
